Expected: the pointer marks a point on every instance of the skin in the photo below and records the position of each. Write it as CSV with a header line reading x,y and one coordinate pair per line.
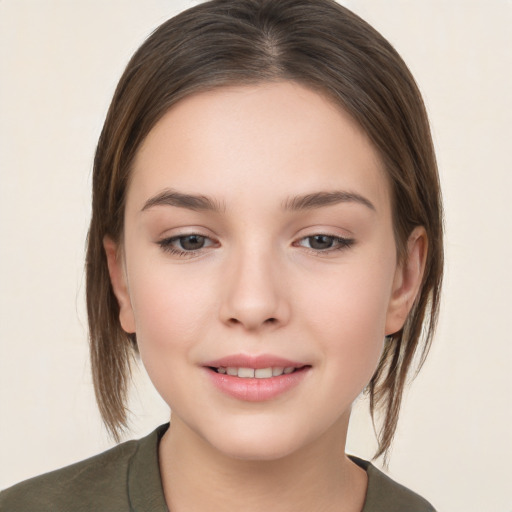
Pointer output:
x,y
261,285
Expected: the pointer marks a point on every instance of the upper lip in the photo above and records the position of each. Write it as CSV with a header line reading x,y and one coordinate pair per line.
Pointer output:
x,y
253,361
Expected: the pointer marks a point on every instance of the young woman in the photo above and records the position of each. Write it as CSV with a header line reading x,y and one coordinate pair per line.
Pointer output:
x,y
266,233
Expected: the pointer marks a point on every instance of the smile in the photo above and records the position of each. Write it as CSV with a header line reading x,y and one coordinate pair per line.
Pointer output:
x,y
255,373
255,378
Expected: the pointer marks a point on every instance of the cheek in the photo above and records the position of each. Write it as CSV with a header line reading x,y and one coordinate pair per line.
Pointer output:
x,y
170,307
170,316
349,315
353,303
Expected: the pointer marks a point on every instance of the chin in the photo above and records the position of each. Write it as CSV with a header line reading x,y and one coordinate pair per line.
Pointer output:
x,y
264,450
259,442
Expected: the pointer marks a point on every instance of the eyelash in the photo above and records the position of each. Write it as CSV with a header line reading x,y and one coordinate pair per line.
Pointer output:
x,y
340,243
166,244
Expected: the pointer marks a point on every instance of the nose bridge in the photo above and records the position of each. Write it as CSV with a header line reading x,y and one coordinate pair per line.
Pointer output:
x,y
253,294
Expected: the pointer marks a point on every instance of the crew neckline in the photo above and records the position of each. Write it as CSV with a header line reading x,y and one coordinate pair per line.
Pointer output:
x,y
145,488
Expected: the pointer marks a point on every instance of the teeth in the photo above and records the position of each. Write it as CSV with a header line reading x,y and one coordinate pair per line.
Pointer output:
x,y
259,373
246,373
263,373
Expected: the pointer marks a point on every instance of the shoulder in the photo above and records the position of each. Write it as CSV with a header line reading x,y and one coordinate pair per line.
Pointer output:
x,y
386,495
98,483
82,484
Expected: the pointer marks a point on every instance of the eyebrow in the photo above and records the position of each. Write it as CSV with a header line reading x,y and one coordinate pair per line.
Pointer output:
x,y
311,201
321,199
171,197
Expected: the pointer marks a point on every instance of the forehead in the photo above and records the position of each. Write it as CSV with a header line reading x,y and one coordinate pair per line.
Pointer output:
x,y
275,138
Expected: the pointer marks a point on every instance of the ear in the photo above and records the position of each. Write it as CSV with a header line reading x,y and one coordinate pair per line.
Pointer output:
x,y
119,282
407,280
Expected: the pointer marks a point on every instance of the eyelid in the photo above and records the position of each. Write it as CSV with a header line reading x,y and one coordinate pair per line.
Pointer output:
x,y
342,243
166,244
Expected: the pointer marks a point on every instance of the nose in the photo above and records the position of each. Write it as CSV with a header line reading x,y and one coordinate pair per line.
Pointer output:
x,y
254,292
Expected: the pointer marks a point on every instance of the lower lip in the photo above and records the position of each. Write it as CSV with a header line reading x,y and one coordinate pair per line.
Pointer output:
x,y
257,390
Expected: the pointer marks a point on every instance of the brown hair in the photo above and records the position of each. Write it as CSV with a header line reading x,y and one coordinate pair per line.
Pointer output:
x,y
319,44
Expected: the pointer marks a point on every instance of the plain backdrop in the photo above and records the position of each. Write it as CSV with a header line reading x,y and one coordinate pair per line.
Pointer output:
x,y
59,63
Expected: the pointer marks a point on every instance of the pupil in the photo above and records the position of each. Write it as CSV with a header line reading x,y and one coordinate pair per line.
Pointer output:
x,y
320,242
192,242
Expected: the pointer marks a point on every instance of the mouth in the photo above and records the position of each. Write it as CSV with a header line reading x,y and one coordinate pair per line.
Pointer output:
x,y
256,373
256,378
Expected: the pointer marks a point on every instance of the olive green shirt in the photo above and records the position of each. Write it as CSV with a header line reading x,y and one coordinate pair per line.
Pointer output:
x,y
126,478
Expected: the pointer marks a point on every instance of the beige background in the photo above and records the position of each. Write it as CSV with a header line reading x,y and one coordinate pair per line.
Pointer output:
x,y
59,63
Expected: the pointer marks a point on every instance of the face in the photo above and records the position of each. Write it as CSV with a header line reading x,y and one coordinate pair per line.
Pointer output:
x,y
258,267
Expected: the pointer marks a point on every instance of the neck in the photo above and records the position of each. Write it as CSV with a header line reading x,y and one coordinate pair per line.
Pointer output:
x,y
317,477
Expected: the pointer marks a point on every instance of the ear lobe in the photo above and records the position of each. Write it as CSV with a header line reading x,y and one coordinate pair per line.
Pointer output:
x,y
119,284
407,280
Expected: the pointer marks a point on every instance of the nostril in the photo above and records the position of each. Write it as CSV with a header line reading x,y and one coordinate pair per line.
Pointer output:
x,y
268,321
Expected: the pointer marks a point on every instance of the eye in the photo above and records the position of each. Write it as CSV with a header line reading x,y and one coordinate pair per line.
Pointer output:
x,y
325,243
185,245
191,242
